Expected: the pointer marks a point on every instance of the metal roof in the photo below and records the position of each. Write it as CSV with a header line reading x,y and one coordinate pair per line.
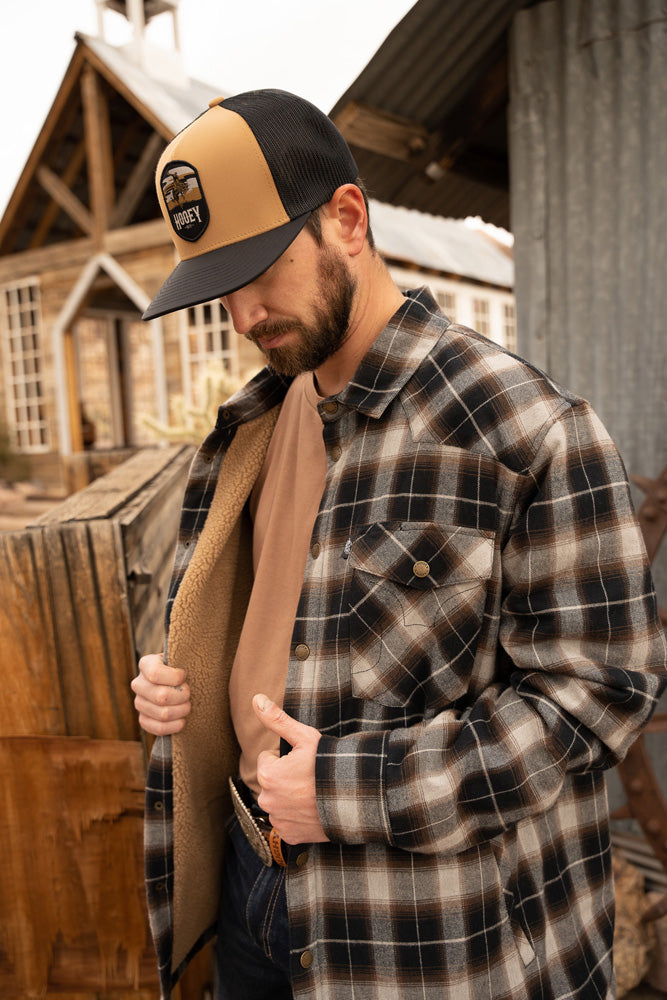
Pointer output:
x,y
442,75
173,97
449,246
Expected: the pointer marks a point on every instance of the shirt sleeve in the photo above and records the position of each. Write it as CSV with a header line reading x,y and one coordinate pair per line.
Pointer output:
x,y
580,665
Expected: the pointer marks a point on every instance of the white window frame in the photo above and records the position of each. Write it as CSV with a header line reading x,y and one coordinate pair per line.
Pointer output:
x,y
25,376
208,322
462,295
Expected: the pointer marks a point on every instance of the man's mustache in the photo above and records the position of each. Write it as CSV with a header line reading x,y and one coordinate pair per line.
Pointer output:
x,y
273,328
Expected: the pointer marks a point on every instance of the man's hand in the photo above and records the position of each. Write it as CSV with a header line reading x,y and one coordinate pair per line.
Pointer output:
x,y
161,696
288,783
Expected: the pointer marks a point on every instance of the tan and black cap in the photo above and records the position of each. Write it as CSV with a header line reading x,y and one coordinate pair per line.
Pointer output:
x,y
238,184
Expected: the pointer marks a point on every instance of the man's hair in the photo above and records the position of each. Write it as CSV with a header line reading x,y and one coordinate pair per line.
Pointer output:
x,y
314,224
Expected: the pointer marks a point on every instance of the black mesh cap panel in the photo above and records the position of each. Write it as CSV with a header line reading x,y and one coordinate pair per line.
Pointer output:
x,y
316,160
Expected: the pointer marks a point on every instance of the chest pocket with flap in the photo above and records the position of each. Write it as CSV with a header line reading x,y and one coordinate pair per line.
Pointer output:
x,y
416,604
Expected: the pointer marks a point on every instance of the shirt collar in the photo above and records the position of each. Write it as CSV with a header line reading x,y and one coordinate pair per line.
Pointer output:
x,y
387,366
396,354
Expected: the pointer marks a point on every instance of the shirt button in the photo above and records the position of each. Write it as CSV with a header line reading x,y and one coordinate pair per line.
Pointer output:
x,y
336,452
316,549
302,651
306,959
421,568
330,407
301,859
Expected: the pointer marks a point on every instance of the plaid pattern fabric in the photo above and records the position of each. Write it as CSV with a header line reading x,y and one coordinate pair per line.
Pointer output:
x,y
478,640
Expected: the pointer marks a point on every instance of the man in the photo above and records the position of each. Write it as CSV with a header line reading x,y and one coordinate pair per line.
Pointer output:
x,y
411,617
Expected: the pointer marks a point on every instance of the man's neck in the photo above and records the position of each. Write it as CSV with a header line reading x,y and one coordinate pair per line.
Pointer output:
x,y
376,302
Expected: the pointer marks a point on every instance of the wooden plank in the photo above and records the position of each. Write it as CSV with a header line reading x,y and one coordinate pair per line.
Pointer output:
x,y
382,132
107,496
73,670
147,599
149,536
65,198
72,904
116,626
32,696
75,253
93,628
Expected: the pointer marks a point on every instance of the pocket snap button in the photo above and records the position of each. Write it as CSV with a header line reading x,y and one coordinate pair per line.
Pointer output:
x,y
421,568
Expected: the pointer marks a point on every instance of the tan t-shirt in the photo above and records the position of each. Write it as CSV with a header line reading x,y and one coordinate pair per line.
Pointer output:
x,y
283,506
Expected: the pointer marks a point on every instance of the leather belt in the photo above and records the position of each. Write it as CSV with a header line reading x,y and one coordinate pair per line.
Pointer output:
x,y
262,837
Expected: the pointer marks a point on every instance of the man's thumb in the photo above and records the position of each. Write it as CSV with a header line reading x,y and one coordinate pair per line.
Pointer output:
x,y
276,719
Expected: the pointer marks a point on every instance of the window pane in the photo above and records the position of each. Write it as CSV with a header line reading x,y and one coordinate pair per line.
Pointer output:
x,y
22,355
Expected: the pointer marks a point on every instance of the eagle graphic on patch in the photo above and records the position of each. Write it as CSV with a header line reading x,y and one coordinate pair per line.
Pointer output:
x,y
185,201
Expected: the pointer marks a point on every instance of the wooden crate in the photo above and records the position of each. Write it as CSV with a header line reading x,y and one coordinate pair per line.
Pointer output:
x,y
82,593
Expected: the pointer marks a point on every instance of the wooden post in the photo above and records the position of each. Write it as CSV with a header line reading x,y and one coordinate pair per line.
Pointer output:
x,y
72,390
98,150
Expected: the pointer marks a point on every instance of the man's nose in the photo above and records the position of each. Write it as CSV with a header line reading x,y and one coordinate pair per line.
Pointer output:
x,y
245,309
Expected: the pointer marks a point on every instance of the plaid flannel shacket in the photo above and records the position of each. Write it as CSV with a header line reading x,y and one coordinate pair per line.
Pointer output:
x,y
477,640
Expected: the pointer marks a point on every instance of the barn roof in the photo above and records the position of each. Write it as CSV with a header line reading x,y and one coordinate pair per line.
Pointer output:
x,y
426,118
172,97
99,144
453,247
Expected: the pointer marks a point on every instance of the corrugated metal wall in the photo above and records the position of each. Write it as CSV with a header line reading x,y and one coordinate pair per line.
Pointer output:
x,y
588,167
588,160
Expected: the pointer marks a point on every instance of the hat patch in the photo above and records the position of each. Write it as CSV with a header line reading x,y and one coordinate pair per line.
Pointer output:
x,y
184,197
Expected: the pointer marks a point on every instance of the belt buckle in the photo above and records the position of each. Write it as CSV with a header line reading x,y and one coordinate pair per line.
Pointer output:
x,y
266,845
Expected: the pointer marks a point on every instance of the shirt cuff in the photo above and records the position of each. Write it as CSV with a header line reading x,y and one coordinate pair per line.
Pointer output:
x,y
350,788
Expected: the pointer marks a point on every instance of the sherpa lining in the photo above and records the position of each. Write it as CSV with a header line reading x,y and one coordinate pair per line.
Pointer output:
x,y
206,622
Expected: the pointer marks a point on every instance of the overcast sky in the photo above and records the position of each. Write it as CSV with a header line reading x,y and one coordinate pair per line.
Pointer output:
x,y
315,48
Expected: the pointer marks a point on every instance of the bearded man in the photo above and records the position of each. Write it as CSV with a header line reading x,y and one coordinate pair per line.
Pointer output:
x,y
411,620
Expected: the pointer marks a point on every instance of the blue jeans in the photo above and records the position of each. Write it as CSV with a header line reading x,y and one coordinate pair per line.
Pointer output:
x,y
253,929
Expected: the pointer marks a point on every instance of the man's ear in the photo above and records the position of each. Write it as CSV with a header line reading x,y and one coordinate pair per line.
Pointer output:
x,y
347,215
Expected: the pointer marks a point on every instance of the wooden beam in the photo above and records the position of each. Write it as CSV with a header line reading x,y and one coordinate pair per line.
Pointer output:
x,y
141,176
66,199
98,149
73,253
381,132
70,174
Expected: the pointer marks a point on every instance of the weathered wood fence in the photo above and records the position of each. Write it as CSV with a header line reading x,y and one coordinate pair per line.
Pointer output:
x,y
82,592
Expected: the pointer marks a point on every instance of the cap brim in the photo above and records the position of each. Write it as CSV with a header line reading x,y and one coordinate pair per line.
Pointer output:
x,y
222,271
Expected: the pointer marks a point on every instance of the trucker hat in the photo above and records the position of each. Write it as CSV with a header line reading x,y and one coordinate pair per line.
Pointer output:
x,y
236,187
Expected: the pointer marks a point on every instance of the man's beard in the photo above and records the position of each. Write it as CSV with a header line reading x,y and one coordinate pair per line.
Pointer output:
x,y
319,341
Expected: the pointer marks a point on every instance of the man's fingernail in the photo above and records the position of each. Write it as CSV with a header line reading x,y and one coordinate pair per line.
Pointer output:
x,y
262,702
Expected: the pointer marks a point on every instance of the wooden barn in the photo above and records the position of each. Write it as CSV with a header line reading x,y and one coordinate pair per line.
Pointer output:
x,y
83,249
